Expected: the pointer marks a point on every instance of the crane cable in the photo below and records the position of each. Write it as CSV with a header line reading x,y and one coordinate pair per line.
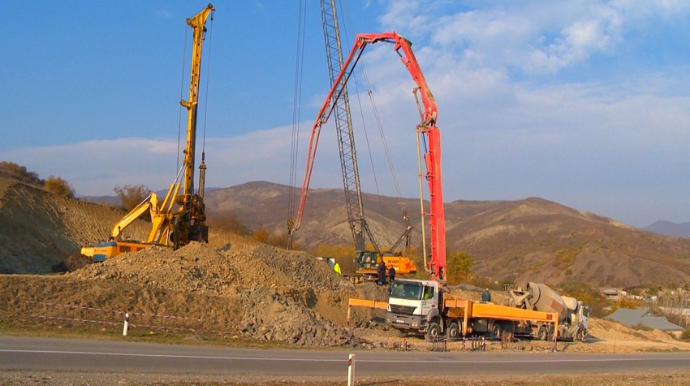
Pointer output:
x,y
179,118
299,68
208,81
378,124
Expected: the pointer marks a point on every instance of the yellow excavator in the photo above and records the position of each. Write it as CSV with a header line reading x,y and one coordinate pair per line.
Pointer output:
x,y
180,218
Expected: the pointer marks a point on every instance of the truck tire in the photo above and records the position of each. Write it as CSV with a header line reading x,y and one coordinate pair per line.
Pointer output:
x,y
542,333
433,332
509,331
496,331
453,330
581,335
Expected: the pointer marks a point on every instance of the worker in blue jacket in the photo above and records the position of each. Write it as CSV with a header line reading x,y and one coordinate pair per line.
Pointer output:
x,y
381,271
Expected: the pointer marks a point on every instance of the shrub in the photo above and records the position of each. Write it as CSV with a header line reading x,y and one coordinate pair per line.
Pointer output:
x,y
59,186
459,267
19,173
685,335
131,196
225,221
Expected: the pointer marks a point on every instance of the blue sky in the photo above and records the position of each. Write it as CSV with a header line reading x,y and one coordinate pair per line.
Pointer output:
x,y
584,103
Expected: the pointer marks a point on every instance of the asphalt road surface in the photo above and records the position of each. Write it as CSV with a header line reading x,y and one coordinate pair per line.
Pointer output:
x,y
43,354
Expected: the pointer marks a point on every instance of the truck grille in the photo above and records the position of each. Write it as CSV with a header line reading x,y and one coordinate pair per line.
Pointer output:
x,y
402,310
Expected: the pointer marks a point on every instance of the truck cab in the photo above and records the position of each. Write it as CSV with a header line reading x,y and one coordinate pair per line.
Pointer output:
x,y
577,324
414,305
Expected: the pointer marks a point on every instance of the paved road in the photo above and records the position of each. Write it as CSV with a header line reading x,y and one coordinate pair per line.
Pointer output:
x,y
21,353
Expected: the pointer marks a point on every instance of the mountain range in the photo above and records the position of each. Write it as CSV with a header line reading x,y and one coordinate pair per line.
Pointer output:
x,y
521,240
669,228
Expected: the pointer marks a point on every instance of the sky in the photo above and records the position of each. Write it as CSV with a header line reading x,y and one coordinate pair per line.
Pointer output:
x,y
585,103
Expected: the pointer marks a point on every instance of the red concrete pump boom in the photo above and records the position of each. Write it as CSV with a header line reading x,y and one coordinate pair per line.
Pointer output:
x,y
427,127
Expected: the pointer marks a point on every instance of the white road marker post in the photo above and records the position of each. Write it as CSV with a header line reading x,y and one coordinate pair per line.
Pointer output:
x,y
124,329
351,370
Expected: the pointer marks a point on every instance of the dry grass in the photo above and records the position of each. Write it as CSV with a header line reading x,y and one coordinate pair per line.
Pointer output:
x,y
77,378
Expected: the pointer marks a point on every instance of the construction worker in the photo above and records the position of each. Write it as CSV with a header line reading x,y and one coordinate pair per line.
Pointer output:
x,y
391,274
382,273
486,296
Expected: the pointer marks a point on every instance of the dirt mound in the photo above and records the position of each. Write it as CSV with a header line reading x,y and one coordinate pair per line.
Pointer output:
x,y
278,295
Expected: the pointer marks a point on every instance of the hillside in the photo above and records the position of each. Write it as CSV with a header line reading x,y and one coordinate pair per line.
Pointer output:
x,y
39,230
539,240
531,239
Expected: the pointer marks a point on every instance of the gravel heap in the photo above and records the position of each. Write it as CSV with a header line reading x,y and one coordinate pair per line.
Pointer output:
x,y
260,292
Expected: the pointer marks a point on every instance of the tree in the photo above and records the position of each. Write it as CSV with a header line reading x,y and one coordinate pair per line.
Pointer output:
x,y
459,267
19,173
59,186
131,196
275,239
584,292
225,221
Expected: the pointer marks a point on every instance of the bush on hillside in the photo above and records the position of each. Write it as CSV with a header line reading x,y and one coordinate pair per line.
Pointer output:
x,y
19,173
591,296
54,184
131,196
59,186
459,267
275,239
685,335
226,222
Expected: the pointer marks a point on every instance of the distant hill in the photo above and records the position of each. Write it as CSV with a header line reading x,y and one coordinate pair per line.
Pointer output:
x,y
105,200
531,239
116,202
669,228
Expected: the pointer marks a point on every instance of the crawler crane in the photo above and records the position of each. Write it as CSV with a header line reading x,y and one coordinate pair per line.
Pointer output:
x,y
180,218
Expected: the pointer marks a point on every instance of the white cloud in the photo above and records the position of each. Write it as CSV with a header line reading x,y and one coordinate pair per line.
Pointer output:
x,y
537,37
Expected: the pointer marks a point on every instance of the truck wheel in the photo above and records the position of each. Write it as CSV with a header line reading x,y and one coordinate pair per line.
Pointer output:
x,y
510,332
581,335
453,331
433,332
542,334
496,331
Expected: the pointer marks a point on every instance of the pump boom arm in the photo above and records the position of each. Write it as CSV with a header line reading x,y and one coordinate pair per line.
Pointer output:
x,y
427,127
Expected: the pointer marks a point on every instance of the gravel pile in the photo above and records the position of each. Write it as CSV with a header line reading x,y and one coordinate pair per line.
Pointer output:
x,y
280,295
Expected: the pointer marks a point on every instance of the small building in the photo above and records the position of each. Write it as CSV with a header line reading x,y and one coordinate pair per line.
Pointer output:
x,y
643,317
611,293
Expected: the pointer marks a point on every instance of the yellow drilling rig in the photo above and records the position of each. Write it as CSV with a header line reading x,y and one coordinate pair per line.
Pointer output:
x,y
180,217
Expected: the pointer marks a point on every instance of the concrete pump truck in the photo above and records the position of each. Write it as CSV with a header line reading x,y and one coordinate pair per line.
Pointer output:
x,y
427,306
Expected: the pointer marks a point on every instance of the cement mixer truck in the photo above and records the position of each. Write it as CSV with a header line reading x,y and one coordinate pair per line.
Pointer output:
x,y
573,315
535,310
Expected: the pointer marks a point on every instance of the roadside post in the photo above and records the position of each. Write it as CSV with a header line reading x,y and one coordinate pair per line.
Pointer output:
x,y
124,329
351,370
